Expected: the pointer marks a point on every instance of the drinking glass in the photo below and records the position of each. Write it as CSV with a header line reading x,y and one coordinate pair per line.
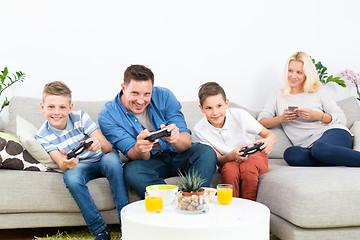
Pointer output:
x,y
224,193
153,203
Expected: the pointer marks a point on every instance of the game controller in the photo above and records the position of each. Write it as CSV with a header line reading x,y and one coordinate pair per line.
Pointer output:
x,y
79,149
250,150
158,134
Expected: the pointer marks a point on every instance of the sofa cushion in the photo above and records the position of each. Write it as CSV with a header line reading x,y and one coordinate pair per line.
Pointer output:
x,y
312,197
26,107
26,132
282,142
351,108
14,156
355,131
33,192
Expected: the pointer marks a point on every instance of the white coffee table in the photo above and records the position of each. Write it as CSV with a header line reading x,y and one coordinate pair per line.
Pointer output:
x,y
242,219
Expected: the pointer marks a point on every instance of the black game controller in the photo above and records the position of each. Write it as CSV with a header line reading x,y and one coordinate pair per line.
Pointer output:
x,y
79,149
158,134
250,150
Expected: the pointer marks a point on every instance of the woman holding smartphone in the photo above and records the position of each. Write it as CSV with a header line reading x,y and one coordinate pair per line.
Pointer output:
x,y
313,122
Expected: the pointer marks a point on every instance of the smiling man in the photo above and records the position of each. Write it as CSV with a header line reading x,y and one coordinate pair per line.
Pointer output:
x,y
139,109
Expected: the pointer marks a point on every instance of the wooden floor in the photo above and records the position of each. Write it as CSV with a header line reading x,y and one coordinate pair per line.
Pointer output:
x,y
30,233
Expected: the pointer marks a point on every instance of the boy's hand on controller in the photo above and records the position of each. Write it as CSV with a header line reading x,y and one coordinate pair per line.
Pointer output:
x,y
266,148
96,145
238,156
69,163
175,134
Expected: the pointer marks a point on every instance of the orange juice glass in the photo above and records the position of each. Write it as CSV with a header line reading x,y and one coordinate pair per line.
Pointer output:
x,y
224,193
153,203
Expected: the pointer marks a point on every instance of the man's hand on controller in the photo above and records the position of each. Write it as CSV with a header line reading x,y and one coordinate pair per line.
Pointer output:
x,y
142,145
175,134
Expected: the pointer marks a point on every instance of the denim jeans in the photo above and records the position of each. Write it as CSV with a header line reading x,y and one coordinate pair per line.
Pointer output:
x,y
75,179
141,173
333,148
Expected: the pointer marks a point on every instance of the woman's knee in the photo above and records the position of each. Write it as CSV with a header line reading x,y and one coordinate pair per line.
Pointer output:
x,y
293,156
320,149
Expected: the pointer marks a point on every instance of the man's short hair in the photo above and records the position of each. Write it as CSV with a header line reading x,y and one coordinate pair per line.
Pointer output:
x,y
138,73
56,88
210,89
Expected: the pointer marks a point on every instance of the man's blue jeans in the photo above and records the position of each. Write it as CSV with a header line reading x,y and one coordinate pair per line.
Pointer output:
x,y
333,148
75,179
141,173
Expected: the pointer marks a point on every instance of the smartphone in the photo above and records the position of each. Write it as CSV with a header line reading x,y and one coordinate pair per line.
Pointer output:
x,y
292,108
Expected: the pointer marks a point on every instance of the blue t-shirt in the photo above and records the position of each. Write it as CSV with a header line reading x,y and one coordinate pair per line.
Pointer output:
x,y
121,128
78,128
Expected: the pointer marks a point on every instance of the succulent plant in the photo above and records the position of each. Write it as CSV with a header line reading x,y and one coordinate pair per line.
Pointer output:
x,y
191,181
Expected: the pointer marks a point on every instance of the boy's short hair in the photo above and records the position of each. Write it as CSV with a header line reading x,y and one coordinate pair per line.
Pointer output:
x,y
139,73
210,89
56,88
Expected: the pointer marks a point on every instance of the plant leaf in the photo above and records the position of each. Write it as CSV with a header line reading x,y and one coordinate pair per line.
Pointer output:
x,y
5,103
336,80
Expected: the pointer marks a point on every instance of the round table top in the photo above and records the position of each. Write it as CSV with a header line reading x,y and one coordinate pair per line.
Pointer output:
x,y
239,212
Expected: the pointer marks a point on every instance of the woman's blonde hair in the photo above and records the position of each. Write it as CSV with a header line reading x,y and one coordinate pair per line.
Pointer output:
x,y
312,82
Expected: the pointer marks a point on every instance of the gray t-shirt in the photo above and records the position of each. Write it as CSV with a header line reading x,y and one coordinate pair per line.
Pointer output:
x,y
303,132
146,124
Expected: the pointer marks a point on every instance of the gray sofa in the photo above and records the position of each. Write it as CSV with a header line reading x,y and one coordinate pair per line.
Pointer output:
x,y
305,203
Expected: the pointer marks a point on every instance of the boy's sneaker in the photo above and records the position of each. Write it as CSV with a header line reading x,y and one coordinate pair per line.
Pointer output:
x,y
104,235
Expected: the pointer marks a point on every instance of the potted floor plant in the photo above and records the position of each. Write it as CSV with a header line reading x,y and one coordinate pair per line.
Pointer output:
x,y
192,198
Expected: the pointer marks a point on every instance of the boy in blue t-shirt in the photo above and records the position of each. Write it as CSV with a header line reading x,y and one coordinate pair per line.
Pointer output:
x,y
64,130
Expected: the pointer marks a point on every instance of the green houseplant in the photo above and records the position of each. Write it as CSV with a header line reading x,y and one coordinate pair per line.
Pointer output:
x,y
192,198
191,182
7,81
323,75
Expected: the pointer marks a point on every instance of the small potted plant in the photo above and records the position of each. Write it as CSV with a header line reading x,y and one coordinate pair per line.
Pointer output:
x,y
192,198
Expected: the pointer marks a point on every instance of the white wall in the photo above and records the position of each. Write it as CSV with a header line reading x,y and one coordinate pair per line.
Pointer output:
x,y
242,45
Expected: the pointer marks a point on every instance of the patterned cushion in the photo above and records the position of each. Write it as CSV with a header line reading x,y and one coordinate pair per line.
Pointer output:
x,y
14,156
26,132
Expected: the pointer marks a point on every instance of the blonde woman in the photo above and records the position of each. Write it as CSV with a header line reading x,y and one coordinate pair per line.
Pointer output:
x,y
313,122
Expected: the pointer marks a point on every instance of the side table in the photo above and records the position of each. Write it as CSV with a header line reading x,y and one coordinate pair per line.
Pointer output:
x,y
242,219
